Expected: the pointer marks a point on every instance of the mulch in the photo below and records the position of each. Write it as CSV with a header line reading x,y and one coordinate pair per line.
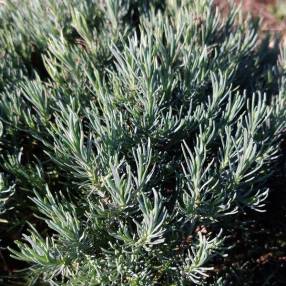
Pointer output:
x,y
263,9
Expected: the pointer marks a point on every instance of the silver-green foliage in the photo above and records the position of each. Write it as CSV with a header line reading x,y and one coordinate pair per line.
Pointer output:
x,y
147,135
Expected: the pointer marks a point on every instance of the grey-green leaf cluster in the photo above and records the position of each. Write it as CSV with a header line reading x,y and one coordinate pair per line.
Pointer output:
x,y
130,132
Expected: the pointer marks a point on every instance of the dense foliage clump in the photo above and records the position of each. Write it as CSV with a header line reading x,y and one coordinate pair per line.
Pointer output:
x,y
131,132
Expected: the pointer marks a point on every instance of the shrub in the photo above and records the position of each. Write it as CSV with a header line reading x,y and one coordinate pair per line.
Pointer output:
x,y
134,131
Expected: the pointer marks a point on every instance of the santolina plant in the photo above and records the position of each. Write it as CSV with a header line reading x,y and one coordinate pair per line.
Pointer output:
x,y
130,132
